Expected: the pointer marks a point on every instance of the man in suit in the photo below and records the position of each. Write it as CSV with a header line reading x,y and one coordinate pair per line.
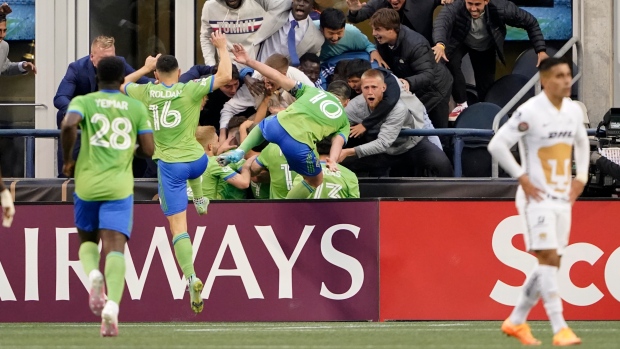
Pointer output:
x,y
414,14
288,30
81,79
6,66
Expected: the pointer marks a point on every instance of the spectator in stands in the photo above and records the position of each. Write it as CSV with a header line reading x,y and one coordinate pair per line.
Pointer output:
x,y
310,65
290,32
417,15
81,79
344,41
6,66
240,20
416,153
7,209
244,99
478,27
411,59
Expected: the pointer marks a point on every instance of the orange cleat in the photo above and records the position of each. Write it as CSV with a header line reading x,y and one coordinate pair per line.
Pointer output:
x,y
566,336
521,332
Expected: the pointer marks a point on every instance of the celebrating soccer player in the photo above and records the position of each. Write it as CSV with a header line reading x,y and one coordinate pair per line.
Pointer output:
x,y
315,115
546,127
103,198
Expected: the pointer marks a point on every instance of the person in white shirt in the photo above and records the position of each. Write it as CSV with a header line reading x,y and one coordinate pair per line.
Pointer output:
x,y
547,127
6,66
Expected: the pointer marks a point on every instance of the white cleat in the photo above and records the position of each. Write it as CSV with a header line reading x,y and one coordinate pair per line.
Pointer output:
x,y
96,298
109,320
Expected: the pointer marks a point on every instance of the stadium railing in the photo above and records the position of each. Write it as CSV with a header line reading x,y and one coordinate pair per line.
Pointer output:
x,y
457,134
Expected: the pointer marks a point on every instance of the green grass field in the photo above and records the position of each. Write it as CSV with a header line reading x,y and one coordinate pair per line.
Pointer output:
x,y
480,334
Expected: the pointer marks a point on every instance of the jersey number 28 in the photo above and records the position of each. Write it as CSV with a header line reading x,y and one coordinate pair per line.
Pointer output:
x,y
120,138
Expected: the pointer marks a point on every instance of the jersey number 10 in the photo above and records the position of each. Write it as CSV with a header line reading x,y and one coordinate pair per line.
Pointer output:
x,y
163,121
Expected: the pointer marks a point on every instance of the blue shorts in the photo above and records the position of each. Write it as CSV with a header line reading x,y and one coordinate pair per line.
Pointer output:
x,y
300,157
172,183
116,215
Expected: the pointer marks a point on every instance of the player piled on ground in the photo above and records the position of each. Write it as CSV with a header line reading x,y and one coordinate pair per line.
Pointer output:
x,y
103,198
315,114
341,184
175,110
546,127
281,177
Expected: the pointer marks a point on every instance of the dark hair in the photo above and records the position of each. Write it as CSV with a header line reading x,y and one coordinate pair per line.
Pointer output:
x,y
2,18
166,64
235,72
332,18
386,18
357,67
551,62
324,146
340,89
111,70
310,57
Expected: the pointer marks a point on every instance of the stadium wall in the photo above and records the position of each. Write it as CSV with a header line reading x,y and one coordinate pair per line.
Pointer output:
x,y
363,260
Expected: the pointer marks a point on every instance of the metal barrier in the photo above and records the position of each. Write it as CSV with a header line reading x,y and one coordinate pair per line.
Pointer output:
x,y
456,133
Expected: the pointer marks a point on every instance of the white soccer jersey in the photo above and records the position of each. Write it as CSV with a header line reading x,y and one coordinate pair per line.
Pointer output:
x,y
546,137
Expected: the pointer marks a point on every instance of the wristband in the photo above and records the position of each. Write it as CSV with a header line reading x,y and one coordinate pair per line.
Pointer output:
x,y
442,45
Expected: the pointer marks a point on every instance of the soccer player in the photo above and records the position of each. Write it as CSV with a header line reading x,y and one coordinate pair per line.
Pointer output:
x,y
221,183
6,204
547,128
342,184
103,198
175,110
315,115
272,159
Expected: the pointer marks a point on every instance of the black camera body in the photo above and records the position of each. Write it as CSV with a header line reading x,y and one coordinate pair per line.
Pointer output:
x,y
608,137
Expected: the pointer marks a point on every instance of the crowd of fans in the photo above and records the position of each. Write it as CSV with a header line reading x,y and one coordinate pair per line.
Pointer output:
x,y
404,80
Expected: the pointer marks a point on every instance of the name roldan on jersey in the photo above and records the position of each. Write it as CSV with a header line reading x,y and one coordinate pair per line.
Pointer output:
x,y
165,94
110,103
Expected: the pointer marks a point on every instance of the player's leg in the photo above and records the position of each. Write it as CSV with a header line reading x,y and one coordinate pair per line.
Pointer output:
x,y
197,168
87,224
172,189
563,335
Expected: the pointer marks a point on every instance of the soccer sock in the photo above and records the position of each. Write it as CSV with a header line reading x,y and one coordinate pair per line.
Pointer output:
x,y
89,256
254,138
115,275
527,299
183,253
196,186
551,296
301,191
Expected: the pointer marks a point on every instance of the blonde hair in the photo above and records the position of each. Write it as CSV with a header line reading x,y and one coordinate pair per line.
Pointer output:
x,y
103,42
206,135
373,73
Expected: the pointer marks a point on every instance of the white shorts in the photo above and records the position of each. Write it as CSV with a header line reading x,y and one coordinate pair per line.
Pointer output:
x,y
547,225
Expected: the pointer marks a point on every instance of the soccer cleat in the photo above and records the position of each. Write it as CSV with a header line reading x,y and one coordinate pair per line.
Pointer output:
x,y
521,332
230,157
195,294
457,111
96,298
109,320
201,205
566,336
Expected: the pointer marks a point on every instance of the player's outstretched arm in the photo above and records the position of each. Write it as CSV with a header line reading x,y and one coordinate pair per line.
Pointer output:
x,y
224,68
146,145
334,152
149,66
242,180
68,135
242,57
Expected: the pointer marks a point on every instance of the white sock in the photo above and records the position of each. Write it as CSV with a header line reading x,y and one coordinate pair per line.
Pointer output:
x,y
530,294
551,296
464,104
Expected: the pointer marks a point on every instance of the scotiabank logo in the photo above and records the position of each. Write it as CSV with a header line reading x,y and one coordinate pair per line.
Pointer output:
x,y
160,242
525,262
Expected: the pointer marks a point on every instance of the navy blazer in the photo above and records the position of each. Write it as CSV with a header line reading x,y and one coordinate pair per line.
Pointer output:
x,y
79,80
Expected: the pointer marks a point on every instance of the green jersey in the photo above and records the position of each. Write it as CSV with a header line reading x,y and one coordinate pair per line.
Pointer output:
x,y
342,184
260,190
214,185
175,111
315,115
281,176
110,124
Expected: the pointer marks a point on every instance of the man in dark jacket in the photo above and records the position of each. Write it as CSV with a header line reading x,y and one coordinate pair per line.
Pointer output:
x,y
478,27
411,59
414,14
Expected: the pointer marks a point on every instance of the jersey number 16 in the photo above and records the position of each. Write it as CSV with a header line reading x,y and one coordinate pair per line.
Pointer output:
x,y
163,119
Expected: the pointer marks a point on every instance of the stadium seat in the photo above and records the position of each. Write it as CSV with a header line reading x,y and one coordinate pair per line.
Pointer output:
x,y
504,89
475,159
526,62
